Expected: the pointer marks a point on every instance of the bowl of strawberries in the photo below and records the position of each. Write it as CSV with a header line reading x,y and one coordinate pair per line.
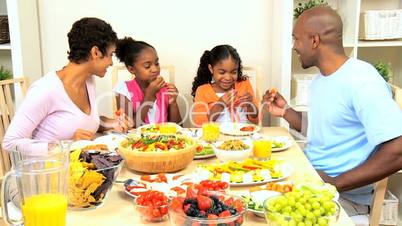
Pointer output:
x,y
208,208
152,206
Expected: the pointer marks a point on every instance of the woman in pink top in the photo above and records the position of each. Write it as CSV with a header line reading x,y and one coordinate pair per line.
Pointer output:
x,y
151,99
62,105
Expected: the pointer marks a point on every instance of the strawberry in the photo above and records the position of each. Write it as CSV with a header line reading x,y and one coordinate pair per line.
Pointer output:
x,y
202,190
186,208
229,201
225,213
177,204
204,202
190,193
238,205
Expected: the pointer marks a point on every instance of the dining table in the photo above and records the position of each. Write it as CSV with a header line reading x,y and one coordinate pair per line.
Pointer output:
x,y
118,207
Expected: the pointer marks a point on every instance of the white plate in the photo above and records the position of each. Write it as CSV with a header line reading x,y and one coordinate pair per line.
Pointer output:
x,y
204,156
233,129
80,144
286,170
258,213
178,128
111,140
161,186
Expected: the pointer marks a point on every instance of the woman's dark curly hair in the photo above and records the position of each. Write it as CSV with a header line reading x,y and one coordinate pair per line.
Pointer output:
x,y
128,50
87,33
217,54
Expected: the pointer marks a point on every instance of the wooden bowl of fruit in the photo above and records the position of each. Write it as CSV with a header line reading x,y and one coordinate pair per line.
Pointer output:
x,y
157,153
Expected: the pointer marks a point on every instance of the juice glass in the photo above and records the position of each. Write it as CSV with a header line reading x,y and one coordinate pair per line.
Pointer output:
x,y
40,170
262,149
210,132
168,128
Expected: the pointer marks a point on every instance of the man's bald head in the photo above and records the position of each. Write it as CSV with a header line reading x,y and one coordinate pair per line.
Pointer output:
x,y
323,21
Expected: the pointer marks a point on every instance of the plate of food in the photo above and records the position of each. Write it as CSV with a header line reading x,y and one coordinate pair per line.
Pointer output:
x,y
169,184
258,194
238,129
204,150
245,173
255,201
160,128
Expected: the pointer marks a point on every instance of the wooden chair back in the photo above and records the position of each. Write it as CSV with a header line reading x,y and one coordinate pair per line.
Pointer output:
x,y
7,111
120,73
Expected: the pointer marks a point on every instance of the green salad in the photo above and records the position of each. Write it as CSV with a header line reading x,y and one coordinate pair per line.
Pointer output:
x,y
204,150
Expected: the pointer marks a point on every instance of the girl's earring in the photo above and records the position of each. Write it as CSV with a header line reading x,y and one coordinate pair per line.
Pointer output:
x,y
212,80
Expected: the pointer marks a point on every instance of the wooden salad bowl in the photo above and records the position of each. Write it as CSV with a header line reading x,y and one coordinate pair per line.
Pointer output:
x,y
157,161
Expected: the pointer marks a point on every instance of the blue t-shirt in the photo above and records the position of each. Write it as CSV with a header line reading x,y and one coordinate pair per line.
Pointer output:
x,y
350,112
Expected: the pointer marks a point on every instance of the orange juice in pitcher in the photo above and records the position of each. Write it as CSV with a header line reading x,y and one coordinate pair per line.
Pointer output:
x,y
45,210
40,168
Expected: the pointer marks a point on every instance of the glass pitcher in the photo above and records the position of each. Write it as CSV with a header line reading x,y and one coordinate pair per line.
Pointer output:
x,y
40,170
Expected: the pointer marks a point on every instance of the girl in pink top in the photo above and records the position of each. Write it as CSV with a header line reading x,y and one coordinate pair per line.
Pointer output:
x,y
62,105
151,99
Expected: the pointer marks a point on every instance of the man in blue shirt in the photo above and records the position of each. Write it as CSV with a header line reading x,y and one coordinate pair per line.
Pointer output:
x,y
354,134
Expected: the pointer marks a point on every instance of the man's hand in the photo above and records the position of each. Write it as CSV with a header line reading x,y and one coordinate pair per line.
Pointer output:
x,y
274,103
81,134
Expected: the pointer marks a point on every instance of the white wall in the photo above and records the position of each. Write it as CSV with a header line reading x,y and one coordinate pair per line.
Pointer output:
x,y
180,30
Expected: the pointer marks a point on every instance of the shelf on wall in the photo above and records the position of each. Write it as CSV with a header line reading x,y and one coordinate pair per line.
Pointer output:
x,y
380,43
5,46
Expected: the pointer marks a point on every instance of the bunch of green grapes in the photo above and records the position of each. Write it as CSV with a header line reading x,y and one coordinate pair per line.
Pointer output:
x,y
301,208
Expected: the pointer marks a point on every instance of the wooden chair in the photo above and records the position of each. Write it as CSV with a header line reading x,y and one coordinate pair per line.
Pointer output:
x,y
397,94
7,111
379,193
120,73
381,186
254,75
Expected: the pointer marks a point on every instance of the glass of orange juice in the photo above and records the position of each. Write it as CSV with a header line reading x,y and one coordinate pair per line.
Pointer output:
x,y
210,132
262,149
41,171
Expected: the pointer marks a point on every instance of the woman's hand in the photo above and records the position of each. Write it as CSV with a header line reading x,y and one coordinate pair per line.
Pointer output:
x,y
172,93
121,122
154,87
274,103
81,134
